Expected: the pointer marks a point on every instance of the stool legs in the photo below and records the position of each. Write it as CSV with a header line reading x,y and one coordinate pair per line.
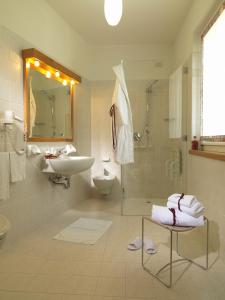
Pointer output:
x,y
206,249
171,258
170,264
142,239
207,243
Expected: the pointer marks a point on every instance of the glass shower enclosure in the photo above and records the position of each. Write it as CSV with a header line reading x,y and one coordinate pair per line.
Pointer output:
x,y
159,167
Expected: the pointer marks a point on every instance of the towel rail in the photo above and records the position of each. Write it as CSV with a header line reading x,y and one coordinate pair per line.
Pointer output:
x,y
8,117
17,118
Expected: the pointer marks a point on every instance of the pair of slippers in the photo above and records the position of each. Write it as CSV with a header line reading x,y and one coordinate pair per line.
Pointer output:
x,y
149,245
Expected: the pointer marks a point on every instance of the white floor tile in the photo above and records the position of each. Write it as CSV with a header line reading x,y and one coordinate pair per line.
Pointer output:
x,y
40,268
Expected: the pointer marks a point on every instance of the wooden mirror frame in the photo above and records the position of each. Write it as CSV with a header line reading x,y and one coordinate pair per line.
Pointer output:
x,y
46,64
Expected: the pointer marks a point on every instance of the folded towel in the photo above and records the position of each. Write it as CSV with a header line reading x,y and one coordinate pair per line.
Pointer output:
x,y
187,200
4,175
195,211
164,215
17,166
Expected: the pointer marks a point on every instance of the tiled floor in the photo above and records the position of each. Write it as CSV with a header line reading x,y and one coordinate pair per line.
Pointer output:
x,y
40,268
140,206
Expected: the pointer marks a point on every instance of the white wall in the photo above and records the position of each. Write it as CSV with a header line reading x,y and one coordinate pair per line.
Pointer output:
x,y
37,23
101,98
140,61
193,24
35,200
44,29
205,177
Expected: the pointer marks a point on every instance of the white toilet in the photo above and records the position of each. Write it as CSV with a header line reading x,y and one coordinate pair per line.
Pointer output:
x,y
4,226
104,184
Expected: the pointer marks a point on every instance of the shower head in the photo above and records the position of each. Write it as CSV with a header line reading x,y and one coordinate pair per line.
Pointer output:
x,y
50,97
136,136
149,89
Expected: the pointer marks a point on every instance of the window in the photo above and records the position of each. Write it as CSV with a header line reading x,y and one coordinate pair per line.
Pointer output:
x,y
213,101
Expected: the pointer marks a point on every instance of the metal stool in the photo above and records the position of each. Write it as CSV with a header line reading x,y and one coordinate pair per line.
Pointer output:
x,y
177,230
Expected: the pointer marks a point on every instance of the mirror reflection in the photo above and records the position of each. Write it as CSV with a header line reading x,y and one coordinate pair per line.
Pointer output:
x,y
50,110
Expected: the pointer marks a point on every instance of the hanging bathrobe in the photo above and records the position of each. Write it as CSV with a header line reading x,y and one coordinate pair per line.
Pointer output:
x,y
122,127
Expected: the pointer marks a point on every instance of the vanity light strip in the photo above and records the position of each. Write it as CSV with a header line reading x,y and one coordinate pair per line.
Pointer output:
x,y
49,72
47,64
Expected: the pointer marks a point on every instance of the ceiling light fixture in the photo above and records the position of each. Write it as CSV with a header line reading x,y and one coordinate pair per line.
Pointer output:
x,y
113,11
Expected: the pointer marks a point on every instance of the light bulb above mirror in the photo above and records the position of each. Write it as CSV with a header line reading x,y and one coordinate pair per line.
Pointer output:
x,y
57,74
37,63
48,74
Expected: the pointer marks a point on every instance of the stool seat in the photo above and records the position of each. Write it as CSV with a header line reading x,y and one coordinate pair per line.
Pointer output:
x,y
174,228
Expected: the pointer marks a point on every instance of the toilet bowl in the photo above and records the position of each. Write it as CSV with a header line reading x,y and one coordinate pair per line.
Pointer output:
x,y
104,184
4,226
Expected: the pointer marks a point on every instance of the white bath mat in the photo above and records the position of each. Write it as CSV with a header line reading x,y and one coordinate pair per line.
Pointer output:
x,y
84,230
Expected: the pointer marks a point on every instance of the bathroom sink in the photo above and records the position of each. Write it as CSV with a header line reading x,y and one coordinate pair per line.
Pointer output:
x,y
68,165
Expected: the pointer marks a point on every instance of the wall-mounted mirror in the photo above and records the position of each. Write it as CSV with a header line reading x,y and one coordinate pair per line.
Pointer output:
x,y
48,91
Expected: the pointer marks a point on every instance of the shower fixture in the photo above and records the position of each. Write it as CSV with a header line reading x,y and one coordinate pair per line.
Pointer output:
x,y
137,136
149,89
142,138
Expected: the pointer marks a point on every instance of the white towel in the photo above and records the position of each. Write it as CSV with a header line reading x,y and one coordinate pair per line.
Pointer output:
x,y
17,166
15,136
163,215
187,200
195,211
4,175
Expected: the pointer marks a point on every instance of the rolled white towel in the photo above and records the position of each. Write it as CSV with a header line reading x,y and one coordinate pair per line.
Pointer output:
x,y
187,200
163,215
195,211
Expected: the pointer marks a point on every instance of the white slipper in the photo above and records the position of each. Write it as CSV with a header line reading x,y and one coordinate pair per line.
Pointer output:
x,y
150,247
135,244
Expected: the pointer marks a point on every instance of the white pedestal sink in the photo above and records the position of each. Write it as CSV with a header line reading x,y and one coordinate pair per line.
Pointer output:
x,y
68,165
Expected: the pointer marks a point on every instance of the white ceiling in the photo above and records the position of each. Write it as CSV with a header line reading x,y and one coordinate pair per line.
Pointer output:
x,y
143,21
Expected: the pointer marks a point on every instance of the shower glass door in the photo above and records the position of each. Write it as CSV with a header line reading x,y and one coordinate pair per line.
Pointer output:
x,y
159,167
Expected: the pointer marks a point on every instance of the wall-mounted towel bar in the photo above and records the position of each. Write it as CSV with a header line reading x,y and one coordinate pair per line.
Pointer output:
x,y
8,117
18,119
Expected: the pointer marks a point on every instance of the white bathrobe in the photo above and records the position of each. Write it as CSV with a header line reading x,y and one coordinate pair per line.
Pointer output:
x,y
124,152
